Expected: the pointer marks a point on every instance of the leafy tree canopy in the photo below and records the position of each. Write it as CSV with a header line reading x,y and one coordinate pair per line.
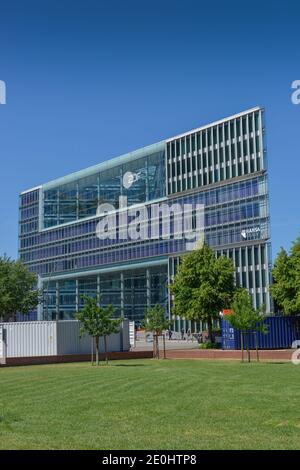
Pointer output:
x,y
98,321
244,316
286,276
203,286
155,320
18,289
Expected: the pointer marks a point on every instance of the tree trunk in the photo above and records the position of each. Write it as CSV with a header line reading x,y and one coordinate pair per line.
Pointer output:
x,y
97,349
248,350
256,345
105,350
209,329
155,346
242,345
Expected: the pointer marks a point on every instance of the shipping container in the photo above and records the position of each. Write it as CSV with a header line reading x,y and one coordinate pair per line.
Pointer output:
x,y
52,338
282,332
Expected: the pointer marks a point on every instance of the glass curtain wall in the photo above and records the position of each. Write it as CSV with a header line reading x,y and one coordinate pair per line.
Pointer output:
x,y
131,292
80,198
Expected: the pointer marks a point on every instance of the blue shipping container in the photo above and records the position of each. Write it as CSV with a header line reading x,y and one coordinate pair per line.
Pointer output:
x,y
282,331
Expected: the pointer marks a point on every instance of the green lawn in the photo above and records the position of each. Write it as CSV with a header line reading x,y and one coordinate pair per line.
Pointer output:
x,y
148,404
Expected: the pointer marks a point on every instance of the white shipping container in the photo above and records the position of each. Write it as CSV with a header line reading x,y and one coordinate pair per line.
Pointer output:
x,y
52,338
33,338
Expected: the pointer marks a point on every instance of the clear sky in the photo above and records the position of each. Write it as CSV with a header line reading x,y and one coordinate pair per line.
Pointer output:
x,y
89,79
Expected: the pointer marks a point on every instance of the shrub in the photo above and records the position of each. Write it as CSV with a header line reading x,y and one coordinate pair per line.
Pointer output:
x,y
210,345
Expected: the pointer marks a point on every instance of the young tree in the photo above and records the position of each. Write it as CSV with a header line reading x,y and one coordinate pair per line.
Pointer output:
x,y
156,322
286,275
18,289
203,286
98,322
246,318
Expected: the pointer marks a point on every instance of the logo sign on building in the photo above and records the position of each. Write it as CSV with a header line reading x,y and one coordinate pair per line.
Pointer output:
x,y
249,232
129,178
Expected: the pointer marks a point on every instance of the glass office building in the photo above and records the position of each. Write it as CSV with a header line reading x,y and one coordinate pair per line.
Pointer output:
x,y
221,166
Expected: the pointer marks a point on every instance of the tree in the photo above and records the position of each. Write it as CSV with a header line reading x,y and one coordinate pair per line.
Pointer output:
x,y
98,322
246,318
18,289
156,322
203,286
286,276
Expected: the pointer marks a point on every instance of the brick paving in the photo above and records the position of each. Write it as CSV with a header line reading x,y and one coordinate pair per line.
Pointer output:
x,y
266,354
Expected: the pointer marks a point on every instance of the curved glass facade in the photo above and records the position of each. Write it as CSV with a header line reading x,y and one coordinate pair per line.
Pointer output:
x,y
80,198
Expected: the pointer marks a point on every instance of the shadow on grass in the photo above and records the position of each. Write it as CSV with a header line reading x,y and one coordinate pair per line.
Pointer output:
x,y
262,362
276,362
8,417
130,365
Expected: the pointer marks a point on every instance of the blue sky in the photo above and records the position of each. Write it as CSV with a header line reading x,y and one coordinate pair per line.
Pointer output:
x,y
89,80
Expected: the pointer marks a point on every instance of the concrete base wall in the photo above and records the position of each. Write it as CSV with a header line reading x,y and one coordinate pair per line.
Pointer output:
x,y
24,361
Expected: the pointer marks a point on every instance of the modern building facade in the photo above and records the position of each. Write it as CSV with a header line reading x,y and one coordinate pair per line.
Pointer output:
x,y
221,166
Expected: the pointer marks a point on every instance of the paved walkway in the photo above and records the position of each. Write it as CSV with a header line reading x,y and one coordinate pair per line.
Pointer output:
x,y
143,345
183,349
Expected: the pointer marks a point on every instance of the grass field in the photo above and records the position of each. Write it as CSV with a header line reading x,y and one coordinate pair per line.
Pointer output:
x,y
148,404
